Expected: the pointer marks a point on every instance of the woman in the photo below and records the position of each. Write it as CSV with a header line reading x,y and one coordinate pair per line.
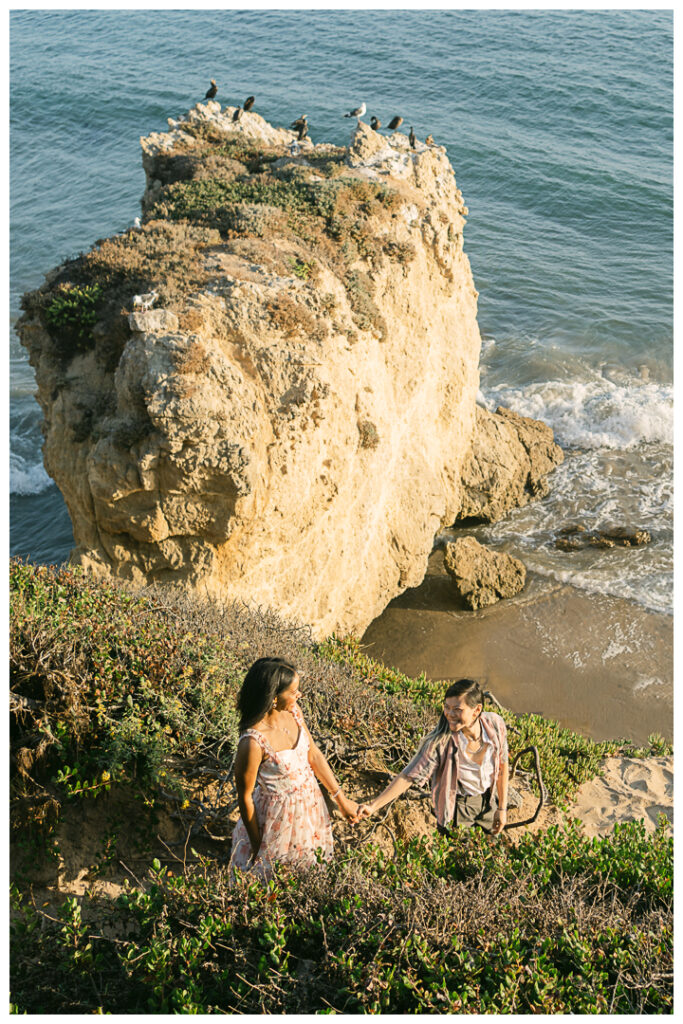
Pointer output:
x,y
286,819
465,760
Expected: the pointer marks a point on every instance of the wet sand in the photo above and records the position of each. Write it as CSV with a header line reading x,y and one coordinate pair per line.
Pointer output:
x,y
602,666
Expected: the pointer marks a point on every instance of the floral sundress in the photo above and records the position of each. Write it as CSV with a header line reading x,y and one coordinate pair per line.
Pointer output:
x,y
289,806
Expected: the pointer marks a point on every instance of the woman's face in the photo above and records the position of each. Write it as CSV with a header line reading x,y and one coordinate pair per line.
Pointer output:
x,y
459,714
288,698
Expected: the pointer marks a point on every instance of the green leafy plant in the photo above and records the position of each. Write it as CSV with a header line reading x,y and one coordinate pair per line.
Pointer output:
x,y
72,314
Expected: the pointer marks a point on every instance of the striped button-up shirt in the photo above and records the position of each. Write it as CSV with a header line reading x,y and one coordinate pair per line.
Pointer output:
x,y
436,763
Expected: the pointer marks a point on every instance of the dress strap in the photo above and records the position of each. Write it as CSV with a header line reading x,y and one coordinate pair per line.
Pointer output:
x,y
297,716
262,742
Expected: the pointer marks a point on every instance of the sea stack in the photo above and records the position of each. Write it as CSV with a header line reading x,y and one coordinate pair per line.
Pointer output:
x,y
261,433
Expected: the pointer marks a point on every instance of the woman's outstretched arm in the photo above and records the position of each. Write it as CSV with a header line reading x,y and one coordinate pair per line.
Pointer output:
x,y
325,775
399,784
247,762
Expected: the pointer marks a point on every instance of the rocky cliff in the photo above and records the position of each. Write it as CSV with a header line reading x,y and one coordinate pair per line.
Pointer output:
x,y
288,424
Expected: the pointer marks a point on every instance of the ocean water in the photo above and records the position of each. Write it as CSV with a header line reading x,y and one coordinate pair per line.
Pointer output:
x,y
559,125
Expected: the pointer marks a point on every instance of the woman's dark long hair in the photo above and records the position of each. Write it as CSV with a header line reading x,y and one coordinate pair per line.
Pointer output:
x,y
467,688
266,678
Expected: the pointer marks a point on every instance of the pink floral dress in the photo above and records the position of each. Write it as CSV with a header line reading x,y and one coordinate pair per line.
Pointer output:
x,y
289,806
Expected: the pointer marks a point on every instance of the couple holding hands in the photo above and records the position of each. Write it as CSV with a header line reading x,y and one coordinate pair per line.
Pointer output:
x,y
283,816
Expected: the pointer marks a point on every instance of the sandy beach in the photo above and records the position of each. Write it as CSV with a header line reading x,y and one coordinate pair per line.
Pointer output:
x,y
602,666
630,789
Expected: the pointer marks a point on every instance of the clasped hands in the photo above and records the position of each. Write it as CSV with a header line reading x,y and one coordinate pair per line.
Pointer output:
x,y
353,812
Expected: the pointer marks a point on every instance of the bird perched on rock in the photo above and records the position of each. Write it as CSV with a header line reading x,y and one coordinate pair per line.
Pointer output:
x,y
375,123
137,224
249,102
395,123
302,132
212,90
411,138
294,149
429,141
358,112
238,113
301,122
146,300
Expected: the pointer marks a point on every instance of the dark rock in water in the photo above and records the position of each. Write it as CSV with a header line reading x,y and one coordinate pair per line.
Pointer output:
x,y
577,538
510,459
598,541
482,577
626,537
569,544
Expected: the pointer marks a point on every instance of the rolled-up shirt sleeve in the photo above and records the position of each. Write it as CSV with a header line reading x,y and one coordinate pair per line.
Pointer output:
x,y
503,733
423,765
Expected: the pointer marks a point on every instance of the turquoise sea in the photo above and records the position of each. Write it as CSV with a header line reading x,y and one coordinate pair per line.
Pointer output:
x,y
559,125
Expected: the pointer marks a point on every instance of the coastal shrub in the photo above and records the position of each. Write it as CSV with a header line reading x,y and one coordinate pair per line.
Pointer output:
x,y
71,315
291,317
193,360
253,219
302,268
401,252
363,308
467,926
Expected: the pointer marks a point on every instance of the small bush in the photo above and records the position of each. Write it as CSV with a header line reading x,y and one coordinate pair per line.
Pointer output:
x,y
290,317
369,436
253,219
71,315
193,360
364,310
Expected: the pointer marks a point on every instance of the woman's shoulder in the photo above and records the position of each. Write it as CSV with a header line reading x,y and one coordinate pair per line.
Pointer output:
x,y
253,738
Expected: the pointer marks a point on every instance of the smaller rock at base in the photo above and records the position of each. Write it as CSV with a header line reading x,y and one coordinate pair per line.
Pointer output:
x,y
482,577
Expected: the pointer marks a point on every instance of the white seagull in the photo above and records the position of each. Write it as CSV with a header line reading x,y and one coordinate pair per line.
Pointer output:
x,y
358,112
146,300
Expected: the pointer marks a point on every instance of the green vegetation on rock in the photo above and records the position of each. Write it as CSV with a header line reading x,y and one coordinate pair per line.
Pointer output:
x,y
214,193
72,314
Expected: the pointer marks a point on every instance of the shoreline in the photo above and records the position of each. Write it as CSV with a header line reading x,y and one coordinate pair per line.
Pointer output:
x,y
599,665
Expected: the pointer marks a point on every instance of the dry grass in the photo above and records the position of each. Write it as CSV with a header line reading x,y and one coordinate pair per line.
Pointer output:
x,y
193,360
290,317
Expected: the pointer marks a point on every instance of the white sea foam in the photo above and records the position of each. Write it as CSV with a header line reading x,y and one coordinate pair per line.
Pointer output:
x,y
27,478
594,413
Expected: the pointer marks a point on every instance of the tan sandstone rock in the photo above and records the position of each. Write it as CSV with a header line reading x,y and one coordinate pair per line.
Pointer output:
x,y
481,576
266,447
510,459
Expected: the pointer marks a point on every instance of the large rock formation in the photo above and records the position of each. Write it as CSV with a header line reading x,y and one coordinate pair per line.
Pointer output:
x,y
289,425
